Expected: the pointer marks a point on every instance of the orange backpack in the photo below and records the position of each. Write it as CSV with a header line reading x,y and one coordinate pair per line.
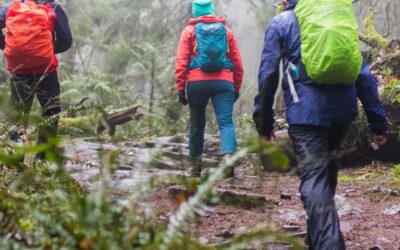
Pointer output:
x,y
28,37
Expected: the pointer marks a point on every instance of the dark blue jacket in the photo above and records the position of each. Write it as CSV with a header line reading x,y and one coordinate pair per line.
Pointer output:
x,y
324,106
61,35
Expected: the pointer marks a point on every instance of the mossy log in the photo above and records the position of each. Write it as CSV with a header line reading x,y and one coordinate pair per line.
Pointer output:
x,y
98,123
383,55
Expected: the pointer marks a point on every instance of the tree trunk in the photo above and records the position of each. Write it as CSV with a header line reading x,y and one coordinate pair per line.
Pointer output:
x,y
153,83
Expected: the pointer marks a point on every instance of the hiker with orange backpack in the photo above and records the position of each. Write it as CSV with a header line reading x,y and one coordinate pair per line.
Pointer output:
x,y
208,66
34,32
318,45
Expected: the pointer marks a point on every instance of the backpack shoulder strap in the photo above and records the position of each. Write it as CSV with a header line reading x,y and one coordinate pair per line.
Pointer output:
x,y
227,40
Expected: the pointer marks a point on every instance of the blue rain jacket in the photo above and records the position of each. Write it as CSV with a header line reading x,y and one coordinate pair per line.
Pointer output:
x,y
324,106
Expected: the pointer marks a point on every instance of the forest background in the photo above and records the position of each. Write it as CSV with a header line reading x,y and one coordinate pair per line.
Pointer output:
x,y
123,54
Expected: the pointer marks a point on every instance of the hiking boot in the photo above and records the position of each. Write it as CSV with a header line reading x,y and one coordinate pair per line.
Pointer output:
x,y
195,171
229,172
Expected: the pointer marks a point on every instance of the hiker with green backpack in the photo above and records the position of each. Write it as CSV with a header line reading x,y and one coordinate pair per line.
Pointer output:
x,y
208,66
324,74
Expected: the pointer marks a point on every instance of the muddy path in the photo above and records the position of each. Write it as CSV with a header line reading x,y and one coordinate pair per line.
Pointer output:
x,y
368,198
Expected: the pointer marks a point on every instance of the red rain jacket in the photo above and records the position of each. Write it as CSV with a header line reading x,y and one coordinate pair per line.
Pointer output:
x,y
185,53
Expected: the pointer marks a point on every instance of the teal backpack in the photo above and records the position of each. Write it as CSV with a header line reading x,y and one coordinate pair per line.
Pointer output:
x,y
212,47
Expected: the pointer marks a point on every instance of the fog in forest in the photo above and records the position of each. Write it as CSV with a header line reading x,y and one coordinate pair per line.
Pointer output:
x,y
112,157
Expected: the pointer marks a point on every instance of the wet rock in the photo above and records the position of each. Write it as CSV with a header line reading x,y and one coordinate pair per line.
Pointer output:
x,y
291,228
393,210
346,227
163,218
86,175
87,179
225,234
228,197
204,240
216,240
347,207
178,138
245,199
350,190
289,215
129,182
149,144
349,210
165,164
383,240
177,156
302,234
177,146
125,168
121,175
143,156
377,247
382,189
286,196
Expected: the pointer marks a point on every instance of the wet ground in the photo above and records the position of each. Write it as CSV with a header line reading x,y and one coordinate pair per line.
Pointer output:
x,y
368,198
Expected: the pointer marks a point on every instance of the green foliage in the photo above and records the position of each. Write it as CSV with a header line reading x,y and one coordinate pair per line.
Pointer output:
x,y
44,208
371,37
391,93
396,171
123,54
157,124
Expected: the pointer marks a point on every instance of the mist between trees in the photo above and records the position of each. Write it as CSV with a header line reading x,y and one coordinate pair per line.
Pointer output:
x,y
123,55
123,51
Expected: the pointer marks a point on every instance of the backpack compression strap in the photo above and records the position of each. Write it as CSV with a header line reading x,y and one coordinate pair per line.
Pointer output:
x,y
195,45
195,48
292,88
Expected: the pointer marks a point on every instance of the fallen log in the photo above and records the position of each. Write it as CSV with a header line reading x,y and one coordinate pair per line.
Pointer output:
x,y
119,117
98,123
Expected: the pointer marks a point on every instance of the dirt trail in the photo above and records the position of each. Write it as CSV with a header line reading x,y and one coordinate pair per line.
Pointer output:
x,y
364,198
361,211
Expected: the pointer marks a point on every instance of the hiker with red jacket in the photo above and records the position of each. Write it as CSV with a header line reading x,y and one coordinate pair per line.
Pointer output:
x,y
34,32
208,66
317,43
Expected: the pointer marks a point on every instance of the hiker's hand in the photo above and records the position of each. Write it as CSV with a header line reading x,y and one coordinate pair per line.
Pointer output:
x,y
380,139
237,95
182,97
270,136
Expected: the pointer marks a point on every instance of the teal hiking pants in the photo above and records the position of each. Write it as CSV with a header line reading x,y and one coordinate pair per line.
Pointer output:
x,y
222,95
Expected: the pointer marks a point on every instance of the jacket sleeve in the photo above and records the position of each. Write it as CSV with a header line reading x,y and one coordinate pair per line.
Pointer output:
x,y
236,59
183,56
62,36
268,79
3,13
367,90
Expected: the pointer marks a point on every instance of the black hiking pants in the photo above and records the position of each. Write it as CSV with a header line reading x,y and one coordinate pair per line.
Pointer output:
x,y
315,149
46,88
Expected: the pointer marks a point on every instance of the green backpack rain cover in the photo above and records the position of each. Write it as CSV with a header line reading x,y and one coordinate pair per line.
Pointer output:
x,y
330,47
